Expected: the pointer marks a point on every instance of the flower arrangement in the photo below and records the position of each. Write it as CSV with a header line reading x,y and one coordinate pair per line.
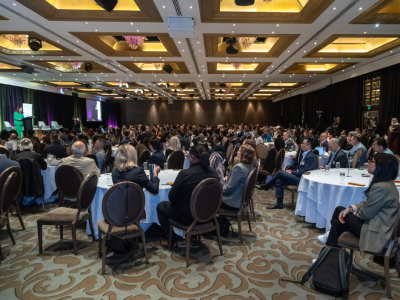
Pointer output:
x,y
134,42
76,65
17,39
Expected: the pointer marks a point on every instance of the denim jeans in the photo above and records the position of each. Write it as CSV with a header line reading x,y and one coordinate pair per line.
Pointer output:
x,y
281,179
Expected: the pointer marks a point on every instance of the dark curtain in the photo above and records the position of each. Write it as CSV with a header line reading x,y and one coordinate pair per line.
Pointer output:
x,y
111,113
390,97
291,111
314,102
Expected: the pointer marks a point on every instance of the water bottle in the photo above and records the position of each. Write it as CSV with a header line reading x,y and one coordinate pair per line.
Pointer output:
x,y
145,166
183,148
165,166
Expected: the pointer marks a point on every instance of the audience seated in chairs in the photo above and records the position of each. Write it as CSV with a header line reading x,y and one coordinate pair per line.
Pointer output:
x,y
70,139
30,135
269,163
126,139
55,148
217,142
6,163
174,145
98,148
84,134
26,147
282,178
158,157
337,155
125,169
356,142
379,145
288,142
178,206
84,164
252,144
236,180
13,140
4,135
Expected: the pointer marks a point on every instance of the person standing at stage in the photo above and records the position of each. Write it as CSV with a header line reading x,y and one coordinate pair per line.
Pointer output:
x,y
18,116
77,125
393,140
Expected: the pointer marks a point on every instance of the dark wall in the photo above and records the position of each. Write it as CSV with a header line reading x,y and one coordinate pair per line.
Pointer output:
x,y
201,112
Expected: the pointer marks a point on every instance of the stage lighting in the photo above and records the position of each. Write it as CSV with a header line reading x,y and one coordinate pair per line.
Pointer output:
x,y
108,5
124,96
191,95
34,43
88,67
230,49
182,85
167,68
109,91
222,85
244,2
127,85
88,86
167,85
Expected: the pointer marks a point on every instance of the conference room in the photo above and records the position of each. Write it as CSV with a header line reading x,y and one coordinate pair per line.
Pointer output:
x,y
199,149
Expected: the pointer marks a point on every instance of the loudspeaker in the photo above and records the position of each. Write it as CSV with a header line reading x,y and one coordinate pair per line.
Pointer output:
x,y
88,86
230,49
27,69
88,67
167,68
182,85
244,2
124,96
108,5
34,43
222,85
109,91
191,95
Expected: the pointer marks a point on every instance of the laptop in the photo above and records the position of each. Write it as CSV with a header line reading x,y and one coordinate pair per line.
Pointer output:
x,y
320,150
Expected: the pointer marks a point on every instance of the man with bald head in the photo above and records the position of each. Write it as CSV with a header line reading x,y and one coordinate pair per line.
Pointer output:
x,y
337,155
84,164
323,141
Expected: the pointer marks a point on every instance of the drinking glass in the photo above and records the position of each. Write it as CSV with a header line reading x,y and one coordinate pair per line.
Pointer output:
x,y
109,180
183,148
165,166
337,166
342,178
327,168
145,166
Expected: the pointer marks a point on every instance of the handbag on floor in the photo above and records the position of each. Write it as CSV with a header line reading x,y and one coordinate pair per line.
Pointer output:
x,y
330,272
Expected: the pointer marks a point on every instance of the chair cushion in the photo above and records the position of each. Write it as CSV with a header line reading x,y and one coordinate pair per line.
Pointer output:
x,y
64,215
231,211
202,226
348,240
119,231
292,187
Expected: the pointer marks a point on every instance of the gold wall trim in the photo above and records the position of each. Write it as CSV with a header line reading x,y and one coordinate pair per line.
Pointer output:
x,y
148,12
340,66
212,68
97,68
284,41
131,66
384,48
371,15
93,40
210,13
3,18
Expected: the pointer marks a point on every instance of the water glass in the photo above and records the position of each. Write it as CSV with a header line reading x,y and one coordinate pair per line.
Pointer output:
x,y
109,180
366,168
145,166
183,148
327,168
165,166
15,146
337,166
342,178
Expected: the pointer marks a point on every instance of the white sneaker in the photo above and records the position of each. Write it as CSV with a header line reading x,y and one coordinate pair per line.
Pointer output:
x,y
314,260
323,238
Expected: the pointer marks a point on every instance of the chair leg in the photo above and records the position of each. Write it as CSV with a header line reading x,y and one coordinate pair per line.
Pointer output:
x,y
91,228
396,259
170,237
292,200
103,256
387,277
61,232
40,236
74,239
19,215
254,212
9,230
43,203
218,237
187,249
144,245
100,237
248,219
239,220
1,253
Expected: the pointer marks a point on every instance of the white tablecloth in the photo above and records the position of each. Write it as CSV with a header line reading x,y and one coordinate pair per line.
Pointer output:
x,y
319,194
49,182
151,200
186,164
323,160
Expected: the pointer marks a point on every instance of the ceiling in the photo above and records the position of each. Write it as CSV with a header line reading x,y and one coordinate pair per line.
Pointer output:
x,y
285,47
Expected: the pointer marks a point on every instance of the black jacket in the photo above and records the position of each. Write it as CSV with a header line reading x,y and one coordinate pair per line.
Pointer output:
x,y
64,137
340,157
141,137
138,176
269,163
125,141
32,137
183,187
55,148
32,181
157,158
219,149
83,137
324,144
33,155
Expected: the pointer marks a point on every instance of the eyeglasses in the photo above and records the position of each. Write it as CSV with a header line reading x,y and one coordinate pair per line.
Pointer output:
x,y
372,161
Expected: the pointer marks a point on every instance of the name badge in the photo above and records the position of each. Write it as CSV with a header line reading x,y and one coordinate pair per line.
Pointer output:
x,y
302,163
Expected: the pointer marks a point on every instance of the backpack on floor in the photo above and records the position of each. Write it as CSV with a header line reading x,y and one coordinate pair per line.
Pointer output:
x,y
330,272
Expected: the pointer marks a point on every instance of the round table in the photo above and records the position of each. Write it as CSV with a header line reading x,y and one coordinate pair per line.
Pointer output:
x,y
151,200
323,160
269,145
49,183
319,194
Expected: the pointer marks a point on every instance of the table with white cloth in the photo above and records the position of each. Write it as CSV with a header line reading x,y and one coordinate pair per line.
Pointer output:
x,y
151,200
49,182
269,145
319,194
323,160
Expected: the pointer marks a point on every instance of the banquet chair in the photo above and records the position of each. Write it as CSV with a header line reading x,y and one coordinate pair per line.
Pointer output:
x,y
68,181
317,161
176,160
64,216
107,162
356,158
54,125
316,152
8,126
228,151
348,241
186,145
246,198
43,126
144,157
140,148
204,205
69,150
397,157
261,151
123,207
40,148
4,151
11,180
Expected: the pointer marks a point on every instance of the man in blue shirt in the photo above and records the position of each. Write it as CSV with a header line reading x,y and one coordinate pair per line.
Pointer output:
x,y
308,162
356,142
380,146
337,155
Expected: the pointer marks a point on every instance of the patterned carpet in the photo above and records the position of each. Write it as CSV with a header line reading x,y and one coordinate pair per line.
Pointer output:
x,y
281,245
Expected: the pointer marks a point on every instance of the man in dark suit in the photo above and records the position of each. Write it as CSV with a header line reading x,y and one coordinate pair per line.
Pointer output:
x,y
126,139
32,136
323,141
84,134
62,134
309,162
371,138
337,127
158,157
118,134
337,155
55,148
26,146
142,134
288,142
6,163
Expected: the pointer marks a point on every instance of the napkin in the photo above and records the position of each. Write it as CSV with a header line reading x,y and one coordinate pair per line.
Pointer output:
x,y
357,184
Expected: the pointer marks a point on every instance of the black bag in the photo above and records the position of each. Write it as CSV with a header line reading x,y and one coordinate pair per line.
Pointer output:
x,y
330,272
224,225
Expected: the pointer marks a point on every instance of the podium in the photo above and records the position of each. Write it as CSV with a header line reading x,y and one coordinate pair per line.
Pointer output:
x,y
27,122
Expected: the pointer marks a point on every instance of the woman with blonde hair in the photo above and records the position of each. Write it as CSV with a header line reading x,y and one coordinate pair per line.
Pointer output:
x,y
125,169
174,145
39,134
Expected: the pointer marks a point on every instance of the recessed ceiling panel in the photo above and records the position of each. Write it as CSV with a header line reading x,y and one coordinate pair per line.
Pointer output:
x,y
237,67
382,12
155,67
70,66
316,68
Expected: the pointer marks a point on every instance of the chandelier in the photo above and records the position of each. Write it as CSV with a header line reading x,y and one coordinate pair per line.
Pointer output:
x,y
76,65
17,39
246,42
134,42
237,65
157,66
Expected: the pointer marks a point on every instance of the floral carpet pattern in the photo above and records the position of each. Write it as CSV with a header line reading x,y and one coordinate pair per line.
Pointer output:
x,y
280,246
